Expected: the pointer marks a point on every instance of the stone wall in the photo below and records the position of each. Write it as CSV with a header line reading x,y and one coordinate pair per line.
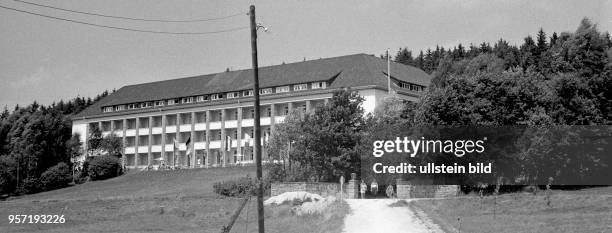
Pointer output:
x,y
406,189
321,188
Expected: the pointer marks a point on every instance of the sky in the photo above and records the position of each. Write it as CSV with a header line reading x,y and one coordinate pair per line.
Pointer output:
x,y
46,60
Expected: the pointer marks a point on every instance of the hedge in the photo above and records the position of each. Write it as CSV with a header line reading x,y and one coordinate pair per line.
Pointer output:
x,y
103,167
55,177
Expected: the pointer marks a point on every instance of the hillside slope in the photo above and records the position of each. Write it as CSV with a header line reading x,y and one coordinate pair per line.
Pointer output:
x,y
156,201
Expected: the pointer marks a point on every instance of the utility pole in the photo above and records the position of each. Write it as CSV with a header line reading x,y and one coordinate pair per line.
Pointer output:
x,y
257,126
388,72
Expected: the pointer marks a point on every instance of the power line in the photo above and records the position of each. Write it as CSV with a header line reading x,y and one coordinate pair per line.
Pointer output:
x,y
124,28
130,18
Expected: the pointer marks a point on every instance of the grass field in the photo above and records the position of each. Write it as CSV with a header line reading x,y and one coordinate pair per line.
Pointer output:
x,y
280,219
162,201
588,210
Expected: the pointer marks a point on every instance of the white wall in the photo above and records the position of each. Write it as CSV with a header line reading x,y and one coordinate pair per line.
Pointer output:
x,y
81,129
372,97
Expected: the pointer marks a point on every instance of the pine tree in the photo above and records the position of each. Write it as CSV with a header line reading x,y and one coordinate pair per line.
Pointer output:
x,y
541,44
404,56
460,51
553,39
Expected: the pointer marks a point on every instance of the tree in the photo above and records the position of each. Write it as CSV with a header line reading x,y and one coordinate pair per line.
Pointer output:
x,y
323,143
404,56
528,52
542,46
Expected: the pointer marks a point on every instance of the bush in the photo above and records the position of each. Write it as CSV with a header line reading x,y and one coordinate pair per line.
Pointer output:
x,y
236,188
103,167
55,177
7,175
80,177
30,185
275,172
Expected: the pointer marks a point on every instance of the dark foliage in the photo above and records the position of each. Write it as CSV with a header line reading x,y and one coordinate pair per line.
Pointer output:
x,y
236,188
33,139
103,167
55,177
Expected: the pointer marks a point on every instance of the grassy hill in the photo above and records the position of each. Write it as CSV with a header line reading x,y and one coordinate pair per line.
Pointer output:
x,y
156,201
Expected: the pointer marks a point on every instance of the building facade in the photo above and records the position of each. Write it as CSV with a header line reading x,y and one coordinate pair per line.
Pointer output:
x,y
215,112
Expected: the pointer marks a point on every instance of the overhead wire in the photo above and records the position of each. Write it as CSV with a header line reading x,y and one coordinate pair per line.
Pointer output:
x,y
124,28
129,18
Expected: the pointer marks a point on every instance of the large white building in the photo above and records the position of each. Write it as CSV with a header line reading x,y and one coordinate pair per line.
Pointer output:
x,y
215,109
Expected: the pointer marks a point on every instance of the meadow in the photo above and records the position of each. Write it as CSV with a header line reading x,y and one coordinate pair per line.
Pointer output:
x,y
587,210
156,201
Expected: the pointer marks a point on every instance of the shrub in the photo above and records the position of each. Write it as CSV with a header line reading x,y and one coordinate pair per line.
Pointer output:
x,y
55,177
30,185
7,175
103,167
236,188
80,177
275,172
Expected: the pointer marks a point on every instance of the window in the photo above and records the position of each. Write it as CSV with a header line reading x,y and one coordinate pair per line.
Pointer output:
x,y
300,87
146,104
232,95
202,98
107,109
319,85
187,100
131,106
247,93
282,89
269,112
119,107
159,103
216,96
286,110
265,91
171,102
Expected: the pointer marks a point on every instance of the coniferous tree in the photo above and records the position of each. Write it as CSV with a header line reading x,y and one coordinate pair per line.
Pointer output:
x,y
404,56
553,39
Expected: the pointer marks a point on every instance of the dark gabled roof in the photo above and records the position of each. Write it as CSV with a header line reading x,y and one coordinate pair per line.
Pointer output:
x,y
346,71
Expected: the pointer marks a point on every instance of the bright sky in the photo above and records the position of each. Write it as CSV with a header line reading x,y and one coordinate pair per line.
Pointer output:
x,y
47,60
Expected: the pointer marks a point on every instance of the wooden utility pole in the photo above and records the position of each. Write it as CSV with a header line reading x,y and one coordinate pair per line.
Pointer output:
x,y
257,126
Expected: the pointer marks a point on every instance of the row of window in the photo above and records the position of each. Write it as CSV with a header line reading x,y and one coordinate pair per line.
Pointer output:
x,y
200,136
217,96
412,87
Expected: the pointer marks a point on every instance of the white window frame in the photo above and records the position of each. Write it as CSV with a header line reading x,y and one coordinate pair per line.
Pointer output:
x,y
158,103
201,98
282,89
119,107
231,95
186,100
319,85
107,109
216,97
265,91
247,93
300,87
145,105
171,102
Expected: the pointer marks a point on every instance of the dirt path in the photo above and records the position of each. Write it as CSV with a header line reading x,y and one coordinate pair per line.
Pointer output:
x,y
375,215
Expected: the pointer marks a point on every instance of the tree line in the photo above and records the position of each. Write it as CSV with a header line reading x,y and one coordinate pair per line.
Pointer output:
x,y
35,139
561,80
